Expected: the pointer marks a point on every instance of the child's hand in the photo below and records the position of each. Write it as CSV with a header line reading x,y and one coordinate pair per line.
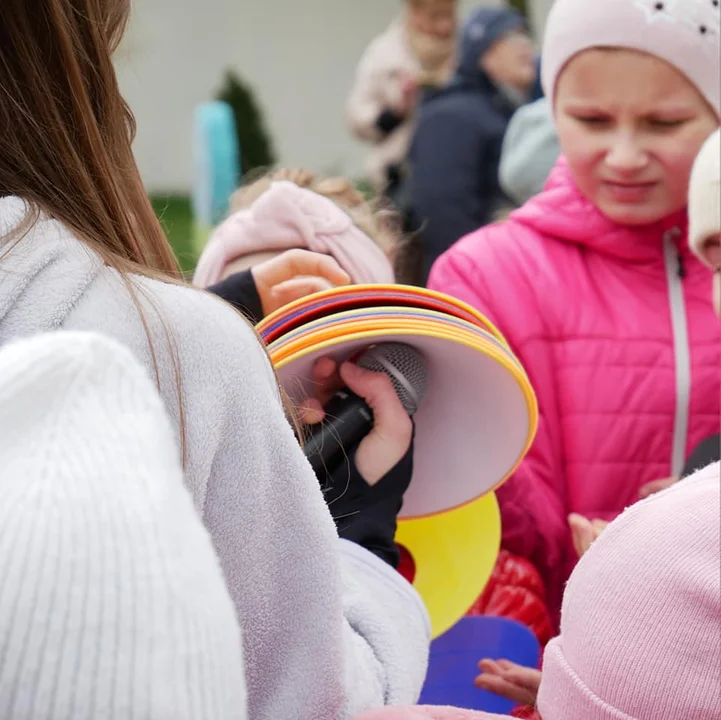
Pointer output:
x,y
409,92
388,442
585,532
293,275
509,680
656,486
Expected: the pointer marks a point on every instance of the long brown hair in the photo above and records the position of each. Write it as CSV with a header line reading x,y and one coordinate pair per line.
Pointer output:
x,y
66,132
65,142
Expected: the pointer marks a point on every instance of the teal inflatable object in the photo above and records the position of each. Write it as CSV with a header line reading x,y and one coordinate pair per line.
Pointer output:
x,y
217,170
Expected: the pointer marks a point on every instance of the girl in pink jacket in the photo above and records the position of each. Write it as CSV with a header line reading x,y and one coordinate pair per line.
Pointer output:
x,y
592,281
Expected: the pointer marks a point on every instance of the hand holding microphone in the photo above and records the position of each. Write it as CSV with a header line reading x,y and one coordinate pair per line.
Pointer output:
x,y
361,444
373,419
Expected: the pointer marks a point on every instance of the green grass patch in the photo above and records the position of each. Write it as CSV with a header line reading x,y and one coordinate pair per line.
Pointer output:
x,y
176,217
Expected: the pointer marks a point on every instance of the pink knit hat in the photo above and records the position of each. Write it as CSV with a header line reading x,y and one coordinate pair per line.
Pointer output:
x,y
641,620
684,33
287,216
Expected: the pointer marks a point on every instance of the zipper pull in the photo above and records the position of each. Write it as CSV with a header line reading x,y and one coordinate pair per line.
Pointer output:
x,y
681,265
670,237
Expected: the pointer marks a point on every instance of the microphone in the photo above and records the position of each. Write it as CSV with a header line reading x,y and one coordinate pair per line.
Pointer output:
x,y
348,419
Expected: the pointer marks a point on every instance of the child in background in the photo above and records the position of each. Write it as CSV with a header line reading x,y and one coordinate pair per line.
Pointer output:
x,y
592,282
704,207
290,234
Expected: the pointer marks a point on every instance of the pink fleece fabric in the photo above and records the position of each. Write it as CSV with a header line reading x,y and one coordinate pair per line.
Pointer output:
x,y
287,216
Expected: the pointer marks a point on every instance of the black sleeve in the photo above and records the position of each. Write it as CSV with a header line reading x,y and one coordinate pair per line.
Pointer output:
x,y
239,290
367,514
388,121
706,452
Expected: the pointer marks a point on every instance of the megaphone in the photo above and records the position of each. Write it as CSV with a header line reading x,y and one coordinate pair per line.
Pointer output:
x,y
479,415
474,424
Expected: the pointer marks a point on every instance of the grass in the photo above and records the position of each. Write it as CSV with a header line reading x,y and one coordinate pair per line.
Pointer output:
x,y
176,217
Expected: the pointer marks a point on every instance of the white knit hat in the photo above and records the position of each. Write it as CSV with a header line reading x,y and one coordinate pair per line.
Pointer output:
x,y
112,601
704,197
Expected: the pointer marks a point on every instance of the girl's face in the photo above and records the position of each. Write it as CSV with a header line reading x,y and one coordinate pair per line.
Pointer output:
x,y
510,60
433,17
630,126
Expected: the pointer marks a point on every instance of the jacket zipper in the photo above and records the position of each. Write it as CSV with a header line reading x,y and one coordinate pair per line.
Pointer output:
x,y
675,273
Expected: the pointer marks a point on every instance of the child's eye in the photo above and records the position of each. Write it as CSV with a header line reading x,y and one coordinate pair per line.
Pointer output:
x,y
664,124
592,119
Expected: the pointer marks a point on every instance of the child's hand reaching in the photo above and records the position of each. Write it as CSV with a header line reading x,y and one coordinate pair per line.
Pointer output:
x,y
295,274
509,680
585,532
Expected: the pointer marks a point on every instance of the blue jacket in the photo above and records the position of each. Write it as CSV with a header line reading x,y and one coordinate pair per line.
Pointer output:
x,y
455,152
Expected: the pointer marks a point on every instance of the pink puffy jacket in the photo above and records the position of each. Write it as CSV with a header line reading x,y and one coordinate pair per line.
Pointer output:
x,y
617,333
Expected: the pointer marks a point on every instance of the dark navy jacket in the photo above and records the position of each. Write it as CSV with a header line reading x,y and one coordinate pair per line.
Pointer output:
x,y
456,149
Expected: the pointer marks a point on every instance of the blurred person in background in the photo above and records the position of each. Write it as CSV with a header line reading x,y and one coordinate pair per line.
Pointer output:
x,y
417,51
456,148
529,152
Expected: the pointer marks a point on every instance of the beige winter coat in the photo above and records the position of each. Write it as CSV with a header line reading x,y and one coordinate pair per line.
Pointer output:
x,y
378,85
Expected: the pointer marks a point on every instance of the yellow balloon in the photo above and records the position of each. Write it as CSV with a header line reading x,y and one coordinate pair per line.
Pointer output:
x,y
454,554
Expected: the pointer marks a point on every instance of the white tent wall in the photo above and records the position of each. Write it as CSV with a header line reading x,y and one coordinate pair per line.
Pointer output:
x,y
299,55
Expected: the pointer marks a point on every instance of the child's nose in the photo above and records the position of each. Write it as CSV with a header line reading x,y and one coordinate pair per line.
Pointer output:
x,y
626,156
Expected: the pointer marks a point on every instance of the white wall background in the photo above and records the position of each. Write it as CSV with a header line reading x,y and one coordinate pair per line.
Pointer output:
x,y
300,55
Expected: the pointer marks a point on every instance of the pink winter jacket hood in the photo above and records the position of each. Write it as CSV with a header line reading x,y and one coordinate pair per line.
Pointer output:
x,y
616,330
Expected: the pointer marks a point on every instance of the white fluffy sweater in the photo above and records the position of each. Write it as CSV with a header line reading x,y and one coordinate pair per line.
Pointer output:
x,y
328,628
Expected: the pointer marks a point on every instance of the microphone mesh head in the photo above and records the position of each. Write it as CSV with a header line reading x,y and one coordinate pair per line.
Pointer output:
x,y
404,366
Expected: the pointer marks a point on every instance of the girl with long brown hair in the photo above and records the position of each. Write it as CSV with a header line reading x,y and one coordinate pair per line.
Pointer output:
x,y
328,627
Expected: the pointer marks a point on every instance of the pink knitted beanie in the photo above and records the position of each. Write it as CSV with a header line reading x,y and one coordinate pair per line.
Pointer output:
x,y
684,33
641,621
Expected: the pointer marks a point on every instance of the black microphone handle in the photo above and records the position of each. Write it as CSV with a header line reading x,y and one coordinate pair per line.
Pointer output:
x,y
348,419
